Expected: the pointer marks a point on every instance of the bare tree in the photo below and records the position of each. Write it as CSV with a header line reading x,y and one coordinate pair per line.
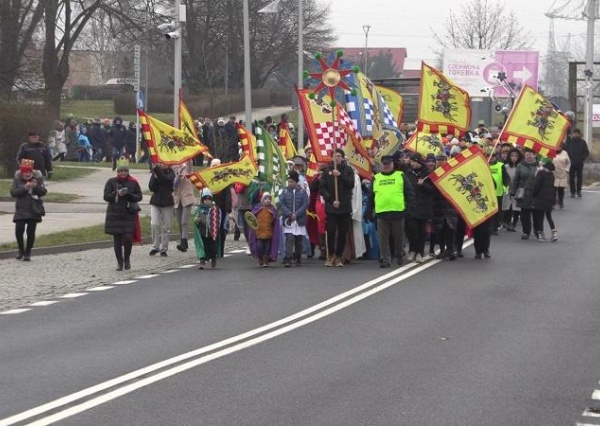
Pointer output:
x,y
214,40
18,21
483,24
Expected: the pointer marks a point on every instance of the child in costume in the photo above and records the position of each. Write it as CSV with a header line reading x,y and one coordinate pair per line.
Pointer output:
x,y
264,241
206,232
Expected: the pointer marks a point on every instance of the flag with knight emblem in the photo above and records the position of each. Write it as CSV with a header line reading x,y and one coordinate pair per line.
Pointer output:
x,y
534,123
425,143
467,183
219,177
167,144
443,106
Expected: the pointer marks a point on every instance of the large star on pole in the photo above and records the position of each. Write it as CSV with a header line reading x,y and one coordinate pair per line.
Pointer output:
x,y
331,76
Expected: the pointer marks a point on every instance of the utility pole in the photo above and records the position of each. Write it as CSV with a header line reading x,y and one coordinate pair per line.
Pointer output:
x,y
591,14
247,75
300,131
179,19
366,29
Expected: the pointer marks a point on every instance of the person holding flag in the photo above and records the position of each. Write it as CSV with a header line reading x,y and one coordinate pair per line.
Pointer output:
x,y
335,187
522,189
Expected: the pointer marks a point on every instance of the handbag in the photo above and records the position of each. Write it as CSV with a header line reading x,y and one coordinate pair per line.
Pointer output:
x,y
133,207
37,207
520,194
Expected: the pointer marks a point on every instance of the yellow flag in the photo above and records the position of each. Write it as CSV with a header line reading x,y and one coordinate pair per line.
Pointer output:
x,y
167,144
220,177
361,163
394,101
248,142
425,143
534,123
466,182
443,106
285,142
186,121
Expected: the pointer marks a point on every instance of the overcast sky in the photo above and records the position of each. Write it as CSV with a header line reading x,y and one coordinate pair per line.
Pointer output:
x,y
401,23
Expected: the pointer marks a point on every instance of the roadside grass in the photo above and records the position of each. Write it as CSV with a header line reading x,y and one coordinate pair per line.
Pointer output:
x,y
52,197
90,234
83,109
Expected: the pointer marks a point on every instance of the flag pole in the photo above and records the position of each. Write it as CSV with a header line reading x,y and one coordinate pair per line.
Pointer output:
x,y
335,178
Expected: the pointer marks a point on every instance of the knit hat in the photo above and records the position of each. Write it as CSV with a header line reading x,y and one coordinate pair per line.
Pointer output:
x,y
430,157
215,162
26,165
293,175
206,193
265,195
122,164
417,157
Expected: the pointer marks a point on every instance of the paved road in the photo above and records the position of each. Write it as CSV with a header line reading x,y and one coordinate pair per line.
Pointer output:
x,y
506,341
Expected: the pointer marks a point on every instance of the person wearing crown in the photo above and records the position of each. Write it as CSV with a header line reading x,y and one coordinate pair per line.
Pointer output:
x,y
121,221
28,188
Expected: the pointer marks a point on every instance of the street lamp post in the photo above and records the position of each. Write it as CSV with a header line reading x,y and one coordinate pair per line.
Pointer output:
x,y
366,29
300,131
247,75
591,13
177,45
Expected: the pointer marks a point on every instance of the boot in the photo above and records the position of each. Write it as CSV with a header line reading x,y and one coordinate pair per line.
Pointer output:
x,y
554,237
541,236
338,262
265,261
126,264
27,255
20,255
330,261
287,262
298,260
260,261
119,265
183,245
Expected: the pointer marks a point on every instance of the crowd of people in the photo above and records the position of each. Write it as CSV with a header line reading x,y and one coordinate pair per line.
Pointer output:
x,y
393,216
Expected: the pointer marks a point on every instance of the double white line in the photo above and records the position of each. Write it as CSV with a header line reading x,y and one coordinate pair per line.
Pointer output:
x,y
52,411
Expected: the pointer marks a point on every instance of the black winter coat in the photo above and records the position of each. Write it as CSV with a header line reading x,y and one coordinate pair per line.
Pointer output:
x,y
161,184
345,187
524,178
443,212
39,154
423,208
577,149
24,200
118,219
543,190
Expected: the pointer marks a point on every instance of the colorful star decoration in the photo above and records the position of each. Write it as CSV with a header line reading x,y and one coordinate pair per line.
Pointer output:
x,y
331,76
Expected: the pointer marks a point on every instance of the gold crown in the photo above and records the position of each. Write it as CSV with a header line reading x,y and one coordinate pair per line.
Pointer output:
x,y
27,163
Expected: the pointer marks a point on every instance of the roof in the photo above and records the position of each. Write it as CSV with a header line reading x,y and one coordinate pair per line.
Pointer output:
x,y
398,53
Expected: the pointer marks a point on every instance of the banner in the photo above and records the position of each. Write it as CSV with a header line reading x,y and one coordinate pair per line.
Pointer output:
x,y
220,177
271,161
248,142
394,101
534,123
466,182
285,142
361,163
167,144
443,106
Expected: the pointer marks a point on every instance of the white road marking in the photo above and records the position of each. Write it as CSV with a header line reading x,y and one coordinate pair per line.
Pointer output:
x,y
187,266
183,367
101,288
596,394
589,413
585,424
44,303
72,295
237,251
125,282
145,277
170,271
15,311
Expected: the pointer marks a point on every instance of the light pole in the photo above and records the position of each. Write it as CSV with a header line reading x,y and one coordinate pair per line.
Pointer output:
x,y
179,18
591,13
247,75
300,132
366,29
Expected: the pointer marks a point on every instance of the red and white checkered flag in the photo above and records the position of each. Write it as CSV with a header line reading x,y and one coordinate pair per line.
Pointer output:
x,y
328,138
348,125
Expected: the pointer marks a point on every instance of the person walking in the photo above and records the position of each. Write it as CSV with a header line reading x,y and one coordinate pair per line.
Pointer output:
x,y
543,200
183,198
521,188
423,209
264,241
161,207
207,218
502,182
510,209
445,220
36,151
392,195
28,188
335,186
562,165
121,221
293,202
578,151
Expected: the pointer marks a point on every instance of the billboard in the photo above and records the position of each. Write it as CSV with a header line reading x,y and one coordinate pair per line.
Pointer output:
x,y
596,115
476,70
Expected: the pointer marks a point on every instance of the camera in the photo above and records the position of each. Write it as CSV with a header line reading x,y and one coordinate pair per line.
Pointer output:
x,y
172,35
